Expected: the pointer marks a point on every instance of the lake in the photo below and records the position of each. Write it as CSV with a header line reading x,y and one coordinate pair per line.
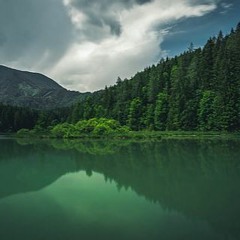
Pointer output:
x,y
171,189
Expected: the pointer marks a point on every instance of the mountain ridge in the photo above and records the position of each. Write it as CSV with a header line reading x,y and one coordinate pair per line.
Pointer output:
x,y
34,90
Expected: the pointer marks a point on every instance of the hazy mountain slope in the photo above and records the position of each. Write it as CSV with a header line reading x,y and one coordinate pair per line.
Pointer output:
x,y
33,90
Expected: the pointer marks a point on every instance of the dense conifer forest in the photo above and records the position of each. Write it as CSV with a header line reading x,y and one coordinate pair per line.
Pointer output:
x,y
15,118
198,90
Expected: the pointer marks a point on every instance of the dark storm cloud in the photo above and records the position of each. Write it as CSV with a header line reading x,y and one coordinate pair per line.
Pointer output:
x,y
143,1
104,13
30,29
97,19
104,5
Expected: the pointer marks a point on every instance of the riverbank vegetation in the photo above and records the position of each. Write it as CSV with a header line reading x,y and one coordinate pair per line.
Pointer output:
x,y
110,129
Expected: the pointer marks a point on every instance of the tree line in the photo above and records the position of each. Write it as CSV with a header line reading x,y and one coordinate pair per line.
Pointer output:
x,y
13,118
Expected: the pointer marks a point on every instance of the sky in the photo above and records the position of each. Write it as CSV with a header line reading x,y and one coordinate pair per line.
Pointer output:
x,y
85,45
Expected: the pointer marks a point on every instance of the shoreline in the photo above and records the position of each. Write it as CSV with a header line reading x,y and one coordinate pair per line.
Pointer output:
x,y
137,135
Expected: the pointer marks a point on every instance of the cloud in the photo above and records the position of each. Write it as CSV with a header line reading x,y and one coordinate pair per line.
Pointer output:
x,y
95,19
99,59
225,7
86,45
31,32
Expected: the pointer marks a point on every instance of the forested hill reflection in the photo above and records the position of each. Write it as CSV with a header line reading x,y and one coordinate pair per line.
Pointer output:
x,y
25,168
200,179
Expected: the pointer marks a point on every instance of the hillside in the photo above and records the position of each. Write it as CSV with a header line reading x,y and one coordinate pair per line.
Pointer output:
x,y
33,90
198,90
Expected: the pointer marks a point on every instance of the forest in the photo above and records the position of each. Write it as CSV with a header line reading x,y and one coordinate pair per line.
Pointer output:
x,y
198,90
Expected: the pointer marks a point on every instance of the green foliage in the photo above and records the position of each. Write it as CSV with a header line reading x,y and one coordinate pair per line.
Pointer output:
x,y
95,127
23,132
63,130
161,112
206,110
135,114
14,118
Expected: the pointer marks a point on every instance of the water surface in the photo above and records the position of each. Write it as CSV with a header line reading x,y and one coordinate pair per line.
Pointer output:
x,y
174,189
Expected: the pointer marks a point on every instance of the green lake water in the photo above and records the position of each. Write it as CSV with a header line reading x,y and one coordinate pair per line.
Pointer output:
x,y
173,189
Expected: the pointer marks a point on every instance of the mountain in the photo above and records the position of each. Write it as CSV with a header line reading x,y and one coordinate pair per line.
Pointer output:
x,y
34,90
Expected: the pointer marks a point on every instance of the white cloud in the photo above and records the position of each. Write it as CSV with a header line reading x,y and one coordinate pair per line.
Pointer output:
x,y
225,7
87,44
90,65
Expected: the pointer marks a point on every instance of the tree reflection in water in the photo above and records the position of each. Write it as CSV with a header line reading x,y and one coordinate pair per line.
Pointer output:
x,y
200,179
